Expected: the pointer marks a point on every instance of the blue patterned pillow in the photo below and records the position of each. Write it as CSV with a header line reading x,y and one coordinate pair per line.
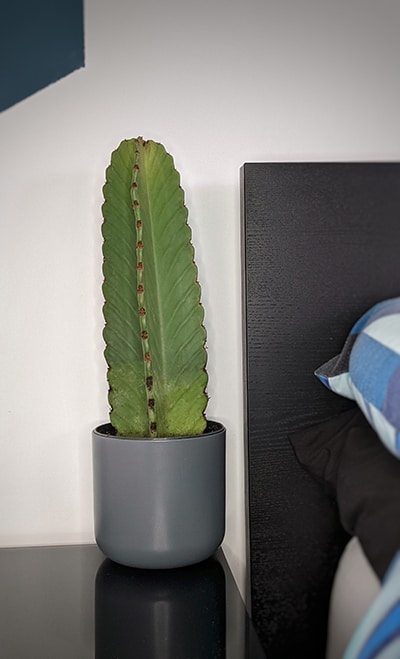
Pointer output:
x,y
367,370
378,634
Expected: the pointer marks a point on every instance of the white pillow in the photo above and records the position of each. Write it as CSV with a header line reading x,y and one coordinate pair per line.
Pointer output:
x,y
378,634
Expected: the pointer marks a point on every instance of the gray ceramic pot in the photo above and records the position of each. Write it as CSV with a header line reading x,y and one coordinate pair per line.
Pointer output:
x,y
159,503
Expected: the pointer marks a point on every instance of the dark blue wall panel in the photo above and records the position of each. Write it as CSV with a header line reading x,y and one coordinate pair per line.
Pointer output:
x,y
40,42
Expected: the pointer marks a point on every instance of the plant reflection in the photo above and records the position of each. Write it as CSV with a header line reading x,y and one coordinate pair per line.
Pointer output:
x,y
160,614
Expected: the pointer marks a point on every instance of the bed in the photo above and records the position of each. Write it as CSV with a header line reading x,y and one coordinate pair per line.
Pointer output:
x,y
320,247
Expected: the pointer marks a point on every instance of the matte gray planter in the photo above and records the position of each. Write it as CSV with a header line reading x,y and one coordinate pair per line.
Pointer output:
x,y
159,503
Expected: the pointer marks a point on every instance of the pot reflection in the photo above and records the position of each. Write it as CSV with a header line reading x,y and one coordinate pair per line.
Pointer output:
x,y
160,614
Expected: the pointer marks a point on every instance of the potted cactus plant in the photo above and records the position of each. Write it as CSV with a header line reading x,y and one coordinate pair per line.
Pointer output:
x,y
159,464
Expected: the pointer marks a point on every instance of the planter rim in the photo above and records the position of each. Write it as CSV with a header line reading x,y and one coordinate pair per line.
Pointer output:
x,y
106,430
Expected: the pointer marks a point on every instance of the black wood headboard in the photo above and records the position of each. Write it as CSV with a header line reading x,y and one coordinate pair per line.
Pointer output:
x,y
320,245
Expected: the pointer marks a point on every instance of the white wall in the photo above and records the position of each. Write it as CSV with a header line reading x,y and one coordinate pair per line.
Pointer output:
x,y
219,83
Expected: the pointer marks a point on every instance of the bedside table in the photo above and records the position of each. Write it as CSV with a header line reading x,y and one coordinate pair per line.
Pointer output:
x,y
70,602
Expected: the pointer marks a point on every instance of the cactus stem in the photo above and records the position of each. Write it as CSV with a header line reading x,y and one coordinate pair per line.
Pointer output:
x,y
135,190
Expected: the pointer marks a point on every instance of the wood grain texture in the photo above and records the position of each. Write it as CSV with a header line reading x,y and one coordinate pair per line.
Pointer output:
x,y
320,245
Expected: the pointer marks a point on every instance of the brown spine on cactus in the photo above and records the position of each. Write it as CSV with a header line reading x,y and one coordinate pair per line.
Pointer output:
x,y
141,296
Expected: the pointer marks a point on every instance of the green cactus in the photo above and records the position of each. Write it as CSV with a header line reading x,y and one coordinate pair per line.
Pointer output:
x,y
154,331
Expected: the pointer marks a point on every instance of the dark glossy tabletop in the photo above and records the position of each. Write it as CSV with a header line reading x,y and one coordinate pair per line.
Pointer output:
x,y
71,602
